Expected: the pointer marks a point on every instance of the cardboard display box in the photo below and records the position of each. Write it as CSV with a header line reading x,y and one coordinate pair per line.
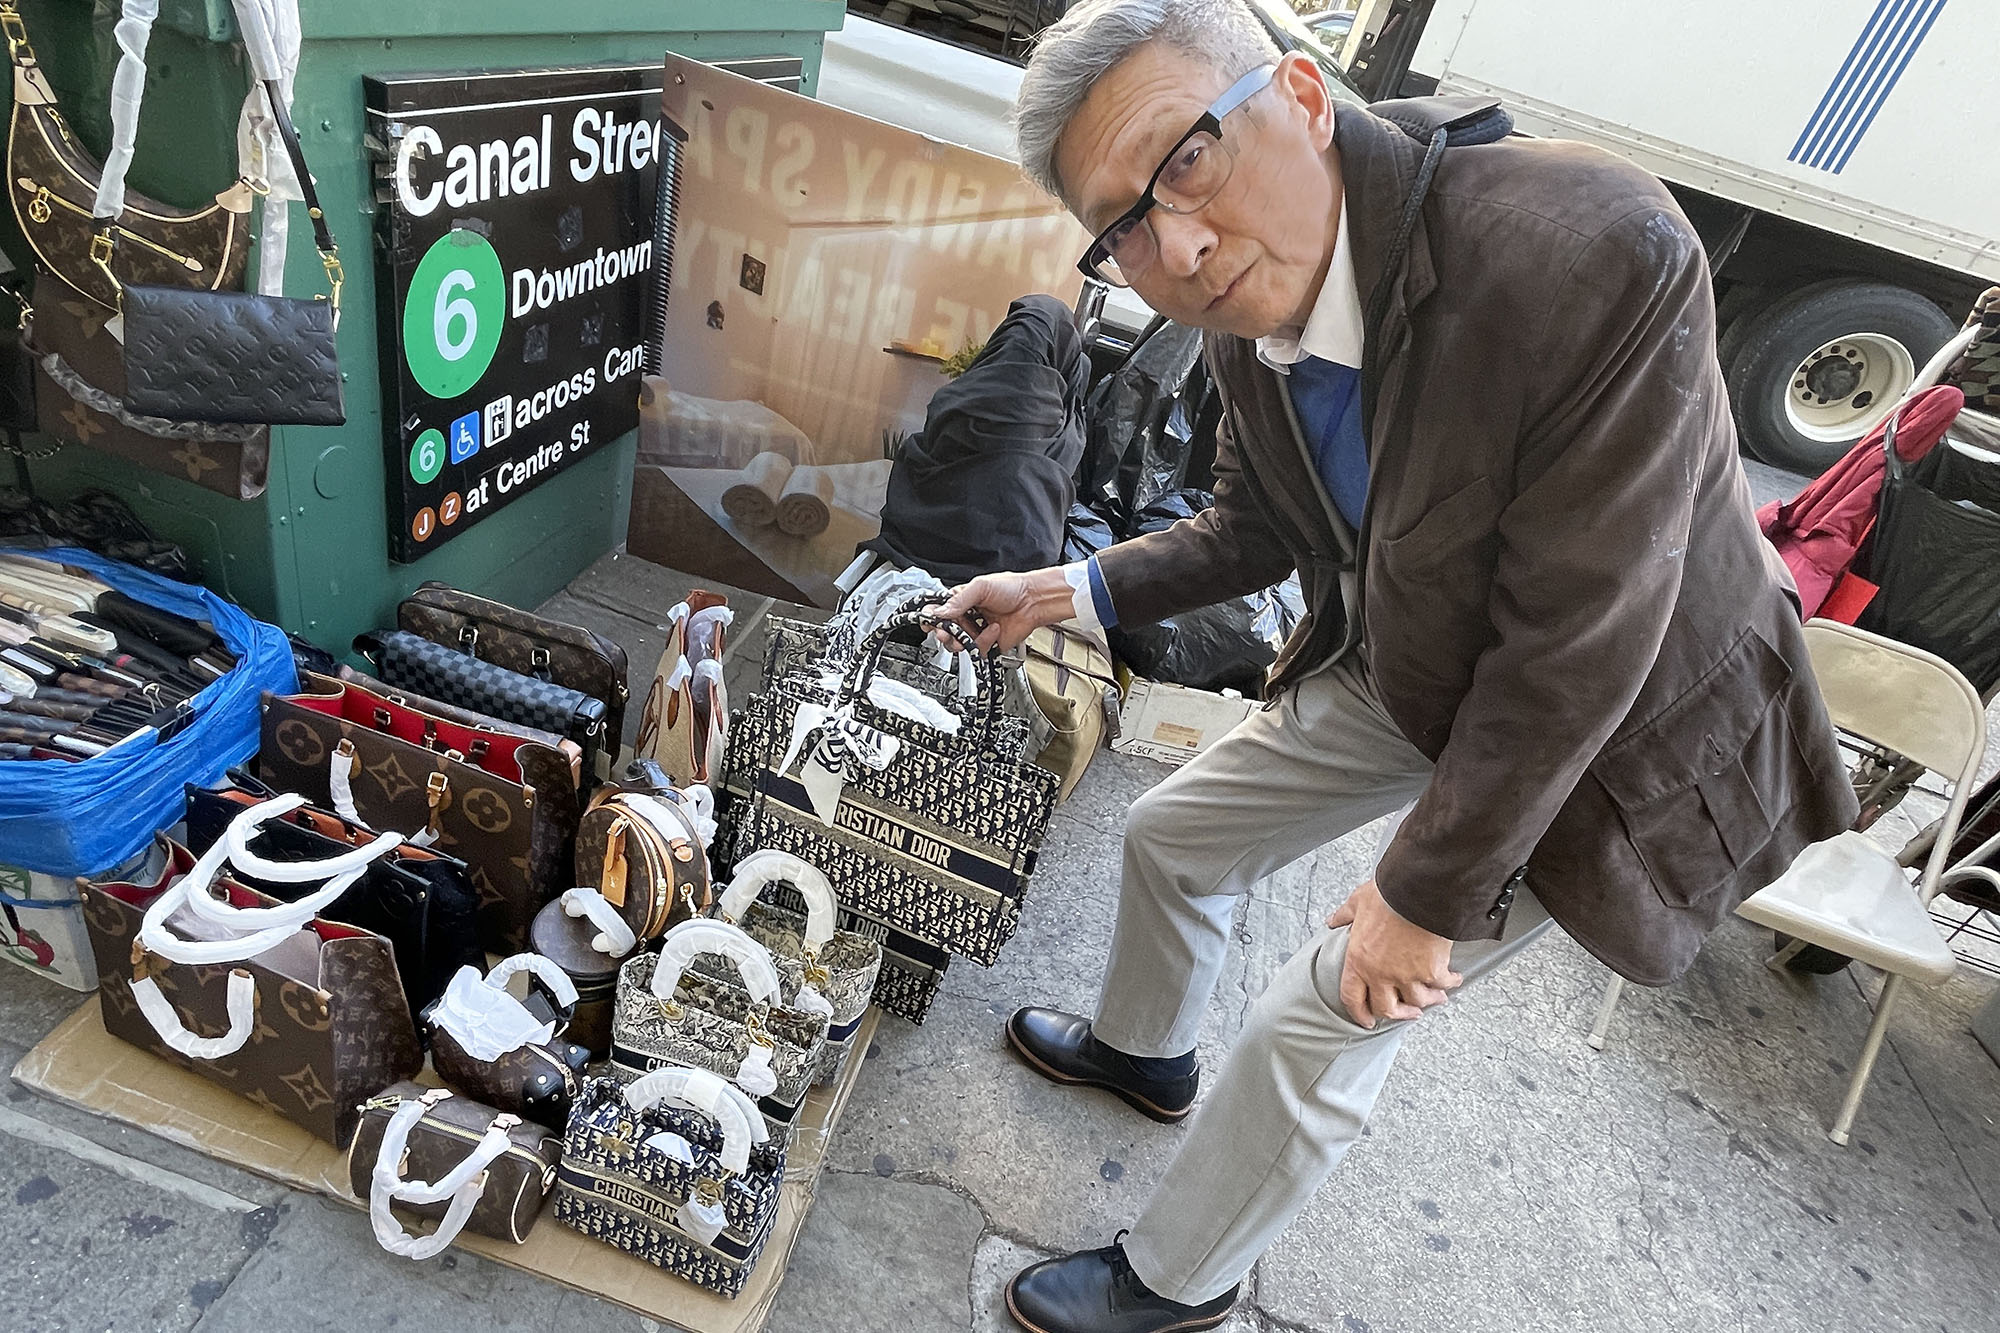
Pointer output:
x,y
1172,723
41,928
81,1065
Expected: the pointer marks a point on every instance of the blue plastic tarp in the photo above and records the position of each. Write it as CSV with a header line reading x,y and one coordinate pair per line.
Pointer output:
x,y
82,818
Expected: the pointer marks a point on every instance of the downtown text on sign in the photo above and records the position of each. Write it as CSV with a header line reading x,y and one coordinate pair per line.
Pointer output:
x,y
514,251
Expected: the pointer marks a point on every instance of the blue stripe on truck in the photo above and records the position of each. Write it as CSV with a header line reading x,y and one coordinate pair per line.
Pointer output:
x,y
1861,87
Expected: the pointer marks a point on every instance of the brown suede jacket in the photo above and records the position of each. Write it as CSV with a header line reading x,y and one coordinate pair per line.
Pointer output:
x,y
1562,593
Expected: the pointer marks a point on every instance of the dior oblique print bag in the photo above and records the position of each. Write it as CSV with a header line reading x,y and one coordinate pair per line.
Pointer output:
x,y
505,806
303,1016
676,1168
923,832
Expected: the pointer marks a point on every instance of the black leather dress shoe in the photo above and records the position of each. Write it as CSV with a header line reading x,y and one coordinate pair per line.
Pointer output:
x,y
1059,1047
1096,1291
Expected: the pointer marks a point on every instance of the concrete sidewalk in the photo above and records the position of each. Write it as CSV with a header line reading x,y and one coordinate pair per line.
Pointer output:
x,y
1513,1179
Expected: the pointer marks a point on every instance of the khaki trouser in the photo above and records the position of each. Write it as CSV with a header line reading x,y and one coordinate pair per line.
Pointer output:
x,y
1303,1076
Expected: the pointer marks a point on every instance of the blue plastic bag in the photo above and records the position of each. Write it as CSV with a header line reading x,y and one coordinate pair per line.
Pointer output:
x,y
82,818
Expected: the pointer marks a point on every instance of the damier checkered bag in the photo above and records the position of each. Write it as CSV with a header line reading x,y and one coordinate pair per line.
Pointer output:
x,y
676,1168
924,832
412,662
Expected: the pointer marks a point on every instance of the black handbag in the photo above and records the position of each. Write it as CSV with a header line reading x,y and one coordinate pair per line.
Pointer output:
x,y
411,662
422,902
235,356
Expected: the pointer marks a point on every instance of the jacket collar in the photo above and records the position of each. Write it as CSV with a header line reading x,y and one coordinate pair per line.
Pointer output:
x,y
1378,168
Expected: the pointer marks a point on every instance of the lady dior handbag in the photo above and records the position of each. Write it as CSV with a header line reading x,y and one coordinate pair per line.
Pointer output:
x,y
818,964
481,1170
676,1168
741,1030
301,1015
495,1049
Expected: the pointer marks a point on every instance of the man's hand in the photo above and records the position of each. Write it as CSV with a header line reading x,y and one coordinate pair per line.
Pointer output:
x,y
1010,607
1393,969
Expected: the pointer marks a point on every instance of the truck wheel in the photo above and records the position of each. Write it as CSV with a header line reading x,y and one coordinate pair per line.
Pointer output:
x,y
1814,370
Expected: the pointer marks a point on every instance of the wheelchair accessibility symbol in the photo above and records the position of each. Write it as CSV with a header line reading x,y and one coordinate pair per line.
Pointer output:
x,y
464,437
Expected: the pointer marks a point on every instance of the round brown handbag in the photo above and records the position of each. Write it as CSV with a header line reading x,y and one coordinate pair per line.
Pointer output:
x,y
643,854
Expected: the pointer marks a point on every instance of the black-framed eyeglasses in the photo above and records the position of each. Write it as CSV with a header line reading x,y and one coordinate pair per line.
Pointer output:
x,y
1190,175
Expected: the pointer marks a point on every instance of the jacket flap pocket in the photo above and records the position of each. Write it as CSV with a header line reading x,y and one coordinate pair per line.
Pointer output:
x,y
1701,735
1464,516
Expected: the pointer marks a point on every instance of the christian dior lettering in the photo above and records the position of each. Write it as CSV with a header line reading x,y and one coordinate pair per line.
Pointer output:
x,y
894,836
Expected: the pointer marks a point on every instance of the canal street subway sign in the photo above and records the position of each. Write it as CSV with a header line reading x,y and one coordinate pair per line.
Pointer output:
x,y
515,244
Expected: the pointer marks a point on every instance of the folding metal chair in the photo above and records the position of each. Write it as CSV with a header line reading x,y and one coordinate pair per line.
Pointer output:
x,y
1848,894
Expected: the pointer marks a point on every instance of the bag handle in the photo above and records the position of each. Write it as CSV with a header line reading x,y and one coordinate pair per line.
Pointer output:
x,y
241,1005
234,844
869,659
250,863
272,926
697,802
463,1184
691,939
701,1214
760,870
613,936
543,970
742,1125
128,83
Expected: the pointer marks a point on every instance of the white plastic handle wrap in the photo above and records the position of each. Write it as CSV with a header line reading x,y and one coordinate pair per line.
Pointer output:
x,y
542,968
613,936
340,785
714,1096
760,870
462,1185
691,939
241,1003
267,932
245,826
484,1019
697,802
341,872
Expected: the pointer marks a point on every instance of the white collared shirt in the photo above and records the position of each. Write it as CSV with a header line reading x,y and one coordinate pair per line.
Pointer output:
x,y
1333,331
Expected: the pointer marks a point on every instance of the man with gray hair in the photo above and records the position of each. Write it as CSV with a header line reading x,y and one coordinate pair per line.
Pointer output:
x,y
1471,395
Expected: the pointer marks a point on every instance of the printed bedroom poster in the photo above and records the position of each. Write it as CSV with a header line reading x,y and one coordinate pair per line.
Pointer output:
x,y
824,267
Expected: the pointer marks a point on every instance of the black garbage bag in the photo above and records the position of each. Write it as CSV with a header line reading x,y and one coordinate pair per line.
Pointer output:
x,y
1933,553
1085,533
1168,509
1142,426
1228,646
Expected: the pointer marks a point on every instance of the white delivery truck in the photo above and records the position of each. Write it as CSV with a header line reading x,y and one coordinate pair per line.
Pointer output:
x,y
1836,156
